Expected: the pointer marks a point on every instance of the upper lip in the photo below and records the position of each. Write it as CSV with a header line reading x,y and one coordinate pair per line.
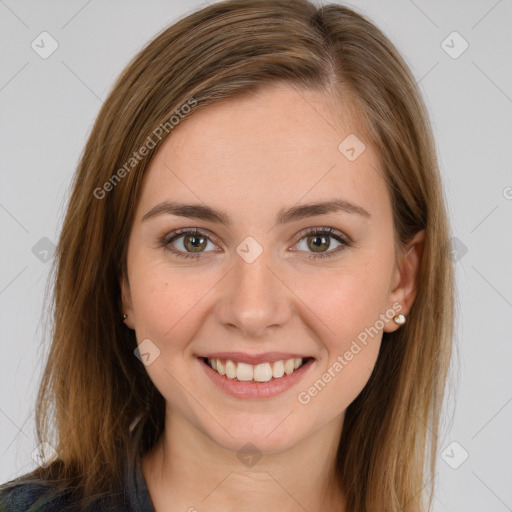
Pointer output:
x,y
243,357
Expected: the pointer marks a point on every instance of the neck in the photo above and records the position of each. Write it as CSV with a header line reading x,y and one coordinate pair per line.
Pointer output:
x,y
187,470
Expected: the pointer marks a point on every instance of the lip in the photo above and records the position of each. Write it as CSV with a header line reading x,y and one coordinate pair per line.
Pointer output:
x,y
243,357
255,390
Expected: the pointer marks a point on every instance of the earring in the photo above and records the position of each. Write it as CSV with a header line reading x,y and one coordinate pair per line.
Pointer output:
x,y
399,319
124,317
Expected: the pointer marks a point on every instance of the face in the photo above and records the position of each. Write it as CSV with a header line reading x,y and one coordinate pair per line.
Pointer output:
x,y
264,278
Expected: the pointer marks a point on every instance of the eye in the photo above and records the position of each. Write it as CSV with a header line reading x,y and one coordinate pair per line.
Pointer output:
x,y
190,239
318,240
192,242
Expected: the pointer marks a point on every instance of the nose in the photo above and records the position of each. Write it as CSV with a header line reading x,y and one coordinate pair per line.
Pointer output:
x,y
255,298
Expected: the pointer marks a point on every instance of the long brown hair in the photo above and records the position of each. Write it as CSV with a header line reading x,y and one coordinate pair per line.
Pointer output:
x,y
94,388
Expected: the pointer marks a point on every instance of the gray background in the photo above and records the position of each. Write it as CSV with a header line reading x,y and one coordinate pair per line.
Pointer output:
x,y
48,107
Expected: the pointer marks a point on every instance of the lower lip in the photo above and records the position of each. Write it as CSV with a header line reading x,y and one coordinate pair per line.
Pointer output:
x,y
255,390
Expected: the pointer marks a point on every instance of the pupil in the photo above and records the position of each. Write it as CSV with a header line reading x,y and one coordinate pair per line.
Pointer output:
x,y
323,241
195,241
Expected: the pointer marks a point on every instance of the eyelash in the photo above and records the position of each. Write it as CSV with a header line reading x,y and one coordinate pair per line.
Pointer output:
x,y
330,232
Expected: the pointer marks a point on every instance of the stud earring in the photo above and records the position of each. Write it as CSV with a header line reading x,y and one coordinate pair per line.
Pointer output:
x,y
124,317
399,319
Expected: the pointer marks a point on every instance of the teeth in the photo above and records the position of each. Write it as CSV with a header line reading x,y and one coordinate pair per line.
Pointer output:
x,y
278,370
262,372
259,373
244,371
230,369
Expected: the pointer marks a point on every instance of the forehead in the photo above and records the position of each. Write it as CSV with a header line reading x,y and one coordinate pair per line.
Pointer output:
x,y
280,144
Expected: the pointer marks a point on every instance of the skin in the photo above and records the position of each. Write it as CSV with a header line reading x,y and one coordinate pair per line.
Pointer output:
x,y
250,157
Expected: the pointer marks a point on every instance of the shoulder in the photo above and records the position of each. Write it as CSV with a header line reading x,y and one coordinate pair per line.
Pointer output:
x,y
37,495
22,495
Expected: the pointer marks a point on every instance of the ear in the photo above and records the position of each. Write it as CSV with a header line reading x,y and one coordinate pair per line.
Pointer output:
x,y
403,288
125,302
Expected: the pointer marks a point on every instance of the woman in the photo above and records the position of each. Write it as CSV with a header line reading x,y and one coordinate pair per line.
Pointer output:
x,y
253,298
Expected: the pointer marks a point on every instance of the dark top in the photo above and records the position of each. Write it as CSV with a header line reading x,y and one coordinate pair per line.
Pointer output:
x,y
20,495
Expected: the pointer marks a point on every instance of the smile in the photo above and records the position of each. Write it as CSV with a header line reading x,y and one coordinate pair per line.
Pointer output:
x,y
258,373
264,379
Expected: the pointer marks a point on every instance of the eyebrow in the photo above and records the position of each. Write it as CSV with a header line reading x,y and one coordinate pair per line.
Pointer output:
x,y
284,216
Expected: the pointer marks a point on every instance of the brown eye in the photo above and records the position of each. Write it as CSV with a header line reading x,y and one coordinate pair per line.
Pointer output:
x,y
187,243
318,243
194,243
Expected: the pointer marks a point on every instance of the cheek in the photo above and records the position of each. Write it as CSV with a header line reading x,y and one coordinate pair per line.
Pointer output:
x,y
351,312
349,299
164,301
350,304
